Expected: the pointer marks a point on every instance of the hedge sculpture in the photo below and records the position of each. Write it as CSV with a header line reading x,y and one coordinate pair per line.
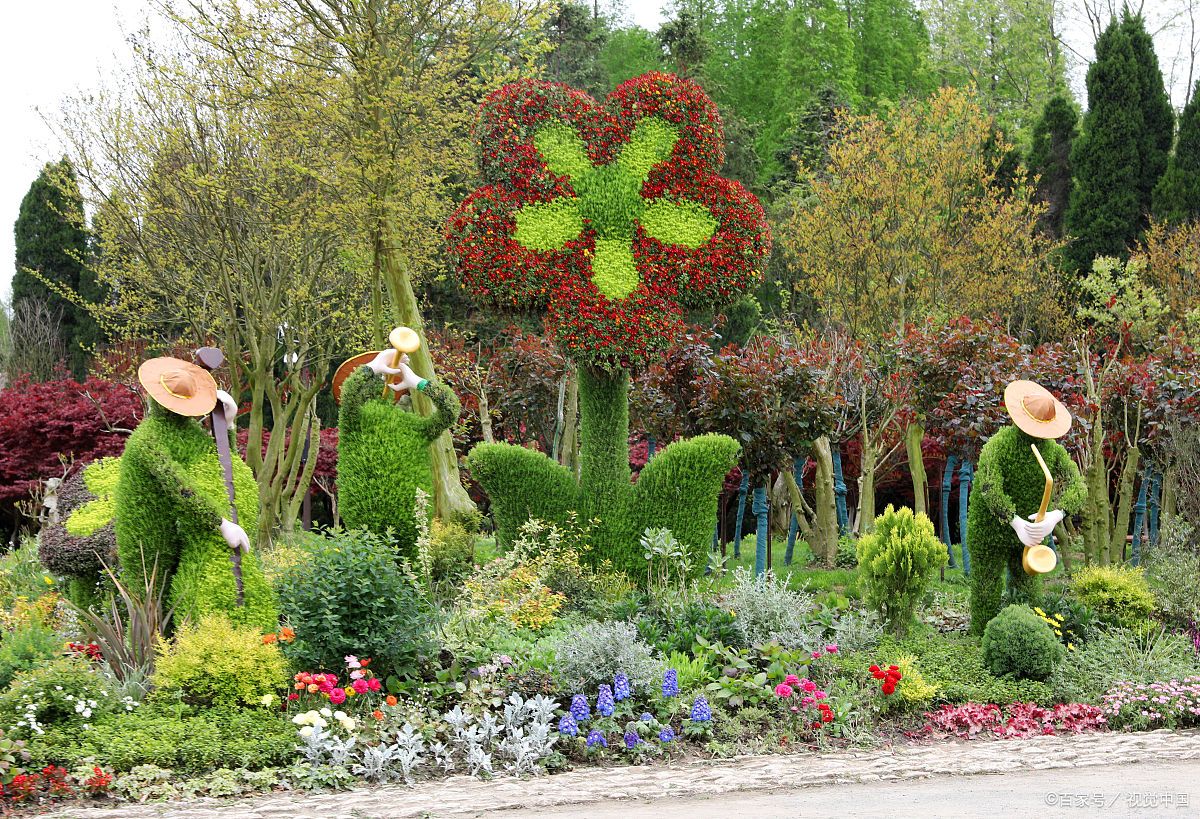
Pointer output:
x,y
612,220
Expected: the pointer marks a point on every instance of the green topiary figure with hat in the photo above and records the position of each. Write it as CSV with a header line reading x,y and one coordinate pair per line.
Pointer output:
x,y
172,505
1018,469
383,448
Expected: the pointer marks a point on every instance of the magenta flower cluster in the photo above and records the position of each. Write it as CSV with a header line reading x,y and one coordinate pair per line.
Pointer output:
x,y
1165,704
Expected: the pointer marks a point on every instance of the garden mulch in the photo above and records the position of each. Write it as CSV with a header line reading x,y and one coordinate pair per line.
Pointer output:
x,y
463,796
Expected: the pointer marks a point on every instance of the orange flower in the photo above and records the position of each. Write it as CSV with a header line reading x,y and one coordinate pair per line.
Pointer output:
x,y
268,639
300,686
287,634
364,661
391,700
377,714
312,688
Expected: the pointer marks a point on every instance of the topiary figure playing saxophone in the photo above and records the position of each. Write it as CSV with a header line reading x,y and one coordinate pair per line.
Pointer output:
x,y
171,504
1009,485
383,449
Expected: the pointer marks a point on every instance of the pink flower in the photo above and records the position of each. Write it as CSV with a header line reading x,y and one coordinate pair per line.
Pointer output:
x,y
373,684
808,685
352,661
783,690
337,696
819,695
360,686
816,655
293,696
357,674
807,701
791,679
831,648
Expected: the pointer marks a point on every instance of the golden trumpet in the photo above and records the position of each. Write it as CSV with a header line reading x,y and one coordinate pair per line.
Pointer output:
x,y
1040,559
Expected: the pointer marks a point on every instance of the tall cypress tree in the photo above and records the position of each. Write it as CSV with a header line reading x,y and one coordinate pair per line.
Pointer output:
x,y
1105,210
1050,160
1177,195
51,240
1158,118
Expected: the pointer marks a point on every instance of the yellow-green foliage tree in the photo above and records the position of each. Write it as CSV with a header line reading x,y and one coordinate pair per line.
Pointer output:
x,y
909,219
218,228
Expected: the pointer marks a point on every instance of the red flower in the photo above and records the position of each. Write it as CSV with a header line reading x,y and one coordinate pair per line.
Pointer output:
x,y
597,316
889,688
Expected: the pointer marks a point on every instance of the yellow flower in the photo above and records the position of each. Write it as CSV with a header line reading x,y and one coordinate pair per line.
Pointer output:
x,y
1039,611
49,580
1070,646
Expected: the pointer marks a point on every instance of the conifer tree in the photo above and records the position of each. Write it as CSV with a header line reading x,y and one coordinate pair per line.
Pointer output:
x,y
51,244
1158,118
1050,160
1177,195
1105,211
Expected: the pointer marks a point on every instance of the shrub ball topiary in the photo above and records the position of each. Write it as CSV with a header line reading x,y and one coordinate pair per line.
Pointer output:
x,y
351,597
212,662
896,563
1119,595
1019,643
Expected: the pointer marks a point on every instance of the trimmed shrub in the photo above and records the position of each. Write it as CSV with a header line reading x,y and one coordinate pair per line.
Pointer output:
x,y
896,563
350,596
451,549
1019,643
215,663
1119,595
84,541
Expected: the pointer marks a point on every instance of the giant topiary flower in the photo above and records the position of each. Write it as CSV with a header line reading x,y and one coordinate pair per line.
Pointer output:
x,y
612,218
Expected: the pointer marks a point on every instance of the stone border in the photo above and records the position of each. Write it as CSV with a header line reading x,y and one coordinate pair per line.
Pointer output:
x,y
461,795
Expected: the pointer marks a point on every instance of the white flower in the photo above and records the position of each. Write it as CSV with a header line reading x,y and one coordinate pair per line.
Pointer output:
x,y
307,731
325,712
267,699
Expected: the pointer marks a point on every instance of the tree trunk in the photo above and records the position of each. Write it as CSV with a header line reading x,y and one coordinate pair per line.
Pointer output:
x,y
866,488
1120,527
966,474
485,417
839,488
743,488
914,435
762,535
825,532
947,485
1168,504
449,496
1139,515
568,454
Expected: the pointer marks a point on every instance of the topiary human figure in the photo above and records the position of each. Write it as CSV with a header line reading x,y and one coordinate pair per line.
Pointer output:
x,y
171,503
383,449
613,220
1009,484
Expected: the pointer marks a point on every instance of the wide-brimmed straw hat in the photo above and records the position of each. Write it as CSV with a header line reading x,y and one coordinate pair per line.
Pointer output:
x,y
181,387
1036,411
347,369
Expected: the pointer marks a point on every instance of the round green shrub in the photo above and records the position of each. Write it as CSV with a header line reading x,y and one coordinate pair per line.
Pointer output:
x,y
350,596
896,563
1018,642
61,693
215,663
1119,595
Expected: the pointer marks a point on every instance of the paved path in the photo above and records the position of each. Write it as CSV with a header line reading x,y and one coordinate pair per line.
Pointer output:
x,y
1077,774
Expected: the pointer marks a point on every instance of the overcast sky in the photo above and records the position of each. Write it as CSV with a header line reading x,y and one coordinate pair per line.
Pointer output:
x,y
52,48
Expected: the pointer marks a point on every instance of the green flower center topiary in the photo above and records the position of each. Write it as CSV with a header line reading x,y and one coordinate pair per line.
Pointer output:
x,y
609,201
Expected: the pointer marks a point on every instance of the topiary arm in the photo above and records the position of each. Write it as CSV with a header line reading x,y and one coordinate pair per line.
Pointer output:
x,y
989,484
522,484
678,489
1067,477
446,408
358,389
173,482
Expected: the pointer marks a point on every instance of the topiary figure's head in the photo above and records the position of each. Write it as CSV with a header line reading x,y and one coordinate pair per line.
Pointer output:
x,y
611,218
84,541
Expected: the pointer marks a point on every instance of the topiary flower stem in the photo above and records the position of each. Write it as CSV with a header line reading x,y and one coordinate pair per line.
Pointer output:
x,y
604,474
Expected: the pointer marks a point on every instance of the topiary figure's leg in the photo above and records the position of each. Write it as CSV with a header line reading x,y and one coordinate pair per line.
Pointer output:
x,y
987,583
678,489
522,484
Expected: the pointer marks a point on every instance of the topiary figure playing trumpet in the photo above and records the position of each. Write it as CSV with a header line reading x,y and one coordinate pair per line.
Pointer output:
x,y
383,449
612,219
1004,537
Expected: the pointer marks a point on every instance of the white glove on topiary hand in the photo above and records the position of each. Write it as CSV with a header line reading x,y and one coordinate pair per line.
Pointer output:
x,y
235,536
382,363
1032,533
409,381
229,406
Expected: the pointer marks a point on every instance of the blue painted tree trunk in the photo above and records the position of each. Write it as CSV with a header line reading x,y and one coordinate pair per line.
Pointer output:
x,y
1154,505
1139,515
966,474
743,487
839,491
762,536
650,446
794,525
947,484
